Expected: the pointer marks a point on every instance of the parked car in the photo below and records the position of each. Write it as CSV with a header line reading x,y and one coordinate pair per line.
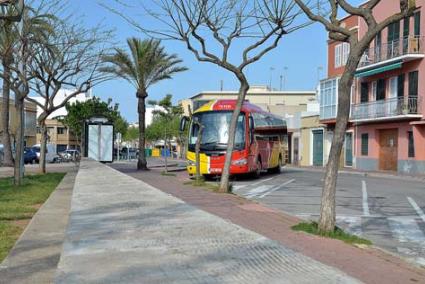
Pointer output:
x,y
30,156
51,156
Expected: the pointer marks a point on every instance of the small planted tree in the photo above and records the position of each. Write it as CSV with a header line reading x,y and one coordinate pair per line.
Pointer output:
x,y
358,45
170,115
146,64
231,34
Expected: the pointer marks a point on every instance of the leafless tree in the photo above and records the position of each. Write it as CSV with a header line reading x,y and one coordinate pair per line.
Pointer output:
x,y
327,14
30,34
70,58
231,34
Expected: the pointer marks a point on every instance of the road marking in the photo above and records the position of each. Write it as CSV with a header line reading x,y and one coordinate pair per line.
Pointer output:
x,y
365,204
276,188
406,230
258,190
238,187
417,208
352,223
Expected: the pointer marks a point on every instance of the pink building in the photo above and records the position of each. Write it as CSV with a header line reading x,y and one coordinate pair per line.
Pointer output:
x,y
388,101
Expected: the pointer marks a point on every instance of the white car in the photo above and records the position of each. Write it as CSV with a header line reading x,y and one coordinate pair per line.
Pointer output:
x,y
51,156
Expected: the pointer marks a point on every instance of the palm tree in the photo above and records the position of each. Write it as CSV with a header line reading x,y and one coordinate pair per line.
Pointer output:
x,y
146,64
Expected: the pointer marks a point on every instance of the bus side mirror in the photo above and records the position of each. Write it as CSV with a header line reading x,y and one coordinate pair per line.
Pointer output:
x,y
183,123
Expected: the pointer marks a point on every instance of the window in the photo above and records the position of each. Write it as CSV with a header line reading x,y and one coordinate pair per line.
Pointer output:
x,y
406,32
380,91
411,151
364,92
378,43
374,83
417,24
345,52
393,87
364,144
328,98
400,86
413,84
338,55
61,130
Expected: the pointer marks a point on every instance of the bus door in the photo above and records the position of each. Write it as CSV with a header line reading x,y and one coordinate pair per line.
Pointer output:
x,y
252,144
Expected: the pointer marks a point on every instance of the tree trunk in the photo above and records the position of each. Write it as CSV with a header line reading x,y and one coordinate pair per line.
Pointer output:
x,y
7,145
225,175
327,209
165,151
43,143
141,108
197,151
19,158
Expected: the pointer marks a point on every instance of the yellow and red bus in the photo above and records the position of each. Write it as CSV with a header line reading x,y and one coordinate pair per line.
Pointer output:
x,y
260,141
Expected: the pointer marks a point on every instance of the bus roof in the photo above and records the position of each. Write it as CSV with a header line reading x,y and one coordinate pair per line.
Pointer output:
x,y
229,105
263,120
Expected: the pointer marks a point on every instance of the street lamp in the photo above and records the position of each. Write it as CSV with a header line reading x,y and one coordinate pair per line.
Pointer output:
x,y
283,78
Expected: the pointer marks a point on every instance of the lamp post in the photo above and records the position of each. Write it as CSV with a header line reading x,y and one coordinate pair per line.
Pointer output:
x,y
283,78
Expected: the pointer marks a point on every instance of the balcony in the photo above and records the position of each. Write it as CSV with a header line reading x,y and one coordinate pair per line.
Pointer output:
x,y
390,109
402,50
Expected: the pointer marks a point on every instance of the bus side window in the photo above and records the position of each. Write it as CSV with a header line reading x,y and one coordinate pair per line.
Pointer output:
x,y
251,129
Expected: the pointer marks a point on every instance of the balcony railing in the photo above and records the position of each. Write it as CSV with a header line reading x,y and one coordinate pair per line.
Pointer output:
x,y
396,48
386,108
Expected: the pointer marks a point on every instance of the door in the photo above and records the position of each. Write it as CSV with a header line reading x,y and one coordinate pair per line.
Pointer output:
x,y
296,150
289,161
388,149
392,97
349,149
317,147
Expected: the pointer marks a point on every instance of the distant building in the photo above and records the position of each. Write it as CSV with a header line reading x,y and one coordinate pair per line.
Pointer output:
x,y
30,123
57,133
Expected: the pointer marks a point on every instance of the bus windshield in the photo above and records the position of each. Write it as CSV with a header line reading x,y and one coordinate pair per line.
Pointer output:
x,y
216,131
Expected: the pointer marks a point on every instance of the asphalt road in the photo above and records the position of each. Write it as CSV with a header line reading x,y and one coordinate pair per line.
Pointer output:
x,y
389,211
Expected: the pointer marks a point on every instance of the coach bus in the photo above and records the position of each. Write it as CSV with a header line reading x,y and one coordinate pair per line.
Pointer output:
x,y
260,141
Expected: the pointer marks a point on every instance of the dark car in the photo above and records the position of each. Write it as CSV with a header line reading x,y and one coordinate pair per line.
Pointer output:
x,y
30,156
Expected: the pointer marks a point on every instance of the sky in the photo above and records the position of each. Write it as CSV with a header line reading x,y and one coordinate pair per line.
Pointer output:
x,y
297,59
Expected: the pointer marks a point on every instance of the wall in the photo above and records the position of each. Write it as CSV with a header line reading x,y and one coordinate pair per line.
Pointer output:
x,y
307,124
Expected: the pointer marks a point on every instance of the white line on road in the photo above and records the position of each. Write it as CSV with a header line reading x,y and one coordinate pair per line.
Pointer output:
x,y
365,204
258,190
239,187
417,208
276,188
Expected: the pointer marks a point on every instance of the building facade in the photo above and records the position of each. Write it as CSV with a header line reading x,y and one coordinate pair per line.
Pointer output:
x,y
30,123
387,122
57,133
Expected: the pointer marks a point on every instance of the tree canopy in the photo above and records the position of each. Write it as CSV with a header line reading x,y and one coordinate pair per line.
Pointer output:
x,y
79,112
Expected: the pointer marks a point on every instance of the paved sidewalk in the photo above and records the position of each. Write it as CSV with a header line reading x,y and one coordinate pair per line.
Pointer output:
x,y
370,265
122,230
35,256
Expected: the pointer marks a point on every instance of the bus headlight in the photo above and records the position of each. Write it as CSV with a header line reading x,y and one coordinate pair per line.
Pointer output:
x,y
240,162
190,163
